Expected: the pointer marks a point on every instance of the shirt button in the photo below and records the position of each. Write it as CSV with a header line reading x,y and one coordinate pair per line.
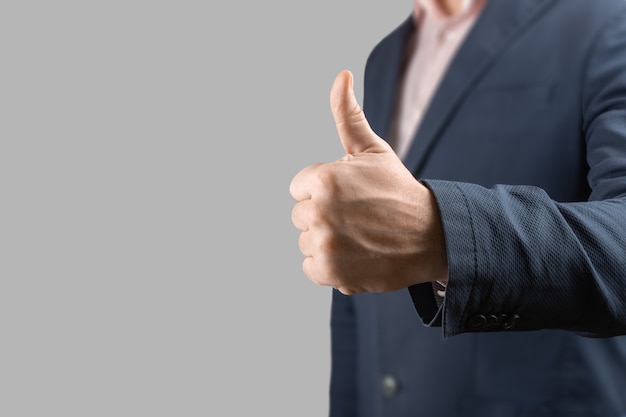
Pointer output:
x,y
389,386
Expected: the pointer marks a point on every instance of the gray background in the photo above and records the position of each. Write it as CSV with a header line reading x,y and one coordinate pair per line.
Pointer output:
x,y
148,264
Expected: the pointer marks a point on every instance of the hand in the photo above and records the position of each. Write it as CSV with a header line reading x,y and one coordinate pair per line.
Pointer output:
x,y
367,224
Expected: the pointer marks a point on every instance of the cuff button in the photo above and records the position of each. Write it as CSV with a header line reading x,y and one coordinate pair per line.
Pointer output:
x,y
477,322
511,322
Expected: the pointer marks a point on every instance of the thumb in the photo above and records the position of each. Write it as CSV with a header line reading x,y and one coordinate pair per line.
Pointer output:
x,y
354,130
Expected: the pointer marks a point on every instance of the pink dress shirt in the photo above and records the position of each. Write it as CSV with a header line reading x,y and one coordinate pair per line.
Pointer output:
x,y
437,38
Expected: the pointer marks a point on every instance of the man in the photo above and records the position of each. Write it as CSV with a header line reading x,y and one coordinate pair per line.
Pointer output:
x,y
512,245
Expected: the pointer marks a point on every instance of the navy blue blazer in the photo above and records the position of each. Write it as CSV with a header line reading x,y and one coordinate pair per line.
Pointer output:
x,y
524,148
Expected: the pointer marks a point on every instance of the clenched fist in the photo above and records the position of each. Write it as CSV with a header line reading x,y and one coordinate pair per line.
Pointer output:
x,y
367,224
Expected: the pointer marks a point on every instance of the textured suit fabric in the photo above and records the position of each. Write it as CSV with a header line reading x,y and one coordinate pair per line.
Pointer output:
x,y
524,147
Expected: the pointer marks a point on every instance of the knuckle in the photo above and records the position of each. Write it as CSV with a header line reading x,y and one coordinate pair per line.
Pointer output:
x,y
303,245
294,214
327,180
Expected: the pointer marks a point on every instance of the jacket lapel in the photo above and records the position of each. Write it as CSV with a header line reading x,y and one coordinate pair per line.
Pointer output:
x,y
382,75
500,22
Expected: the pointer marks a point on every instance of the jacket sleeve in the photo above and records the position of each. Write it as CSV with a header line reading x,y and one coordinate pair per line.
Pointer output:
x,y
521,261
343,401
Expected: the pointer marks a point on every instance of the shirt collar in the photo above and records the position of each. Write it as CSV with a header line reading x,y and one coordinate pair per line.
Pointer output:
x,y
432,8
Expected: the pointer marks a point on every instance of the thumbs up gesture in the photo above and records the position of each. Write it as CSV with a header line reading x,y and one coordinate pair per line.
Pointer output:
x,y
367,225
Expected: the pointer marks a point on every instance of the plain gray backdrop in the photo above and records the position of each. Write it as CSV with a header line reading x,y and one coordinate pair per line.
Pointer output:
x,y
148,263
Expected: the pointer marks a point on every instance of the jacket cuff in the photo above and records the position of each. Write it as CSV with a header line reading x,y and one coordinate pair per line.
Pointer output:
x,y
461,250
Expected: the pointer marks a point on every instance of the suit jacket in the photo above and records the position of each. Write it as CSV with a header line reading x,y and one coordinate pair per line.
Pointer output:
x,y
524,148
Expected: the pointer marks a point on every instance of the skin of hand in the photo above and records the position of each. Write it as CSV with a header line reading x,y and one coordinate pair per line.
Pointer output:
x,y
367,225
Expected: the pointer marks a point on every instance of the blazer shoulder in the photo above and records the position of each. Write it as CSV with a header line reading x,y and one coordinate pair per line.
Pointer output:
x,y
596,12
391,41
